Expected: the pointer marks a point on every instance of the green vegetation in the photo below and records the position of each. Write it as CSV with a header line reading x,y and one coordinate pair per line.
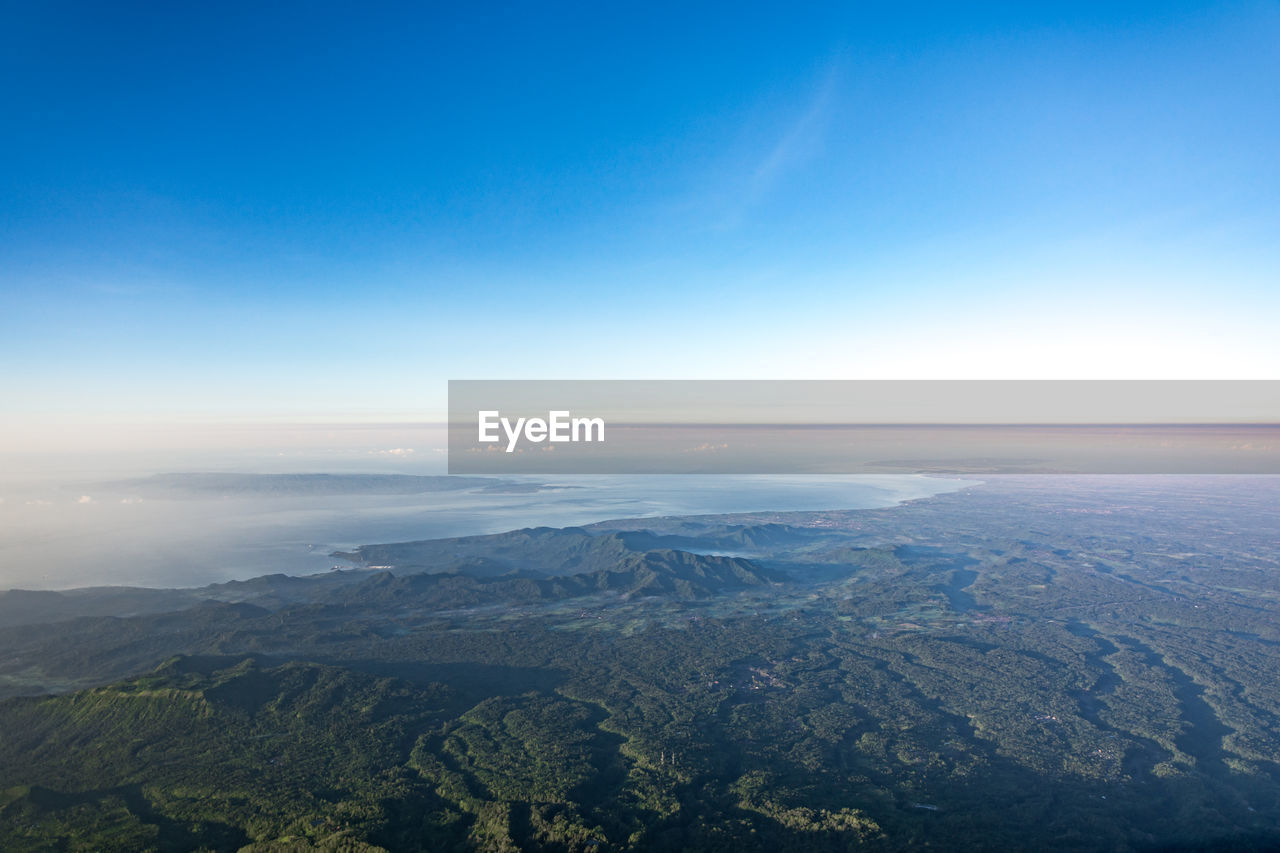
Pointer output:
x,y
1034,665
182,759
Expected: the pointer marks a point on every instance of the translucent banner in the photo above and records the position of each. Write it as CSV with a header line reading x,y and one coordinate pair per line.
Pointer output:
x,y
863,427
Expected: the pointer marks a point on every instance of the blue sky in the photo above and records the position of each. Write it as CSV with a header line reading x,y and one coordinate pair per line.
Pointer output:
x,y
319,211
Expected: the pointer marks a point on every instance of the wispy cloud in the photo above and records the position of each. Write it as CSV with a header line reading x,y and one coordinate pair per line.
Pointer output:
x,y
797,141
706,447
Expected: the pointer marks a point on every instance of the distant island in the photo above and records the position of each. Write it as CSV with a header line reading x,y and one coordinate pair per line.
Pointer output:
x,y
210,484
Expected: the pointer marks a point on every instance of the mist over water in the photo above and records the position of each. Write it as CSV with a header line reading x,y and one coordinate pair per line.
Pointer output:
x,y
76,524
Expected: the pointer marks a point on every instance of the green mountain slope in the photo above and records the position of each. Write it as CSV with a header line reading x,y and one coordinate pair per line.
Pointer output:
x,y
672,573
188,759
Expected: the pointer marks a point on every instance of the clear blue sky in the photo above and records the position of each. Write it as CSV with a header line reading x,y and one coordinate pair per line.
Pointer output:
x,y
316,210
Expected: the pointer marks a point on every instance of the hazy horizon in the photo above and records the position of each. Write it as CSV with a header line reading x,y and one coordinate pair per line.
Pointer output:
x,y
78,533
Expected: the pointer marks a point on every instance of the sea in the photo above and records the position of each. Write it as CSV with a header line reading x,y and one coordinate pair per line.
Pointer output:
x,y
85,525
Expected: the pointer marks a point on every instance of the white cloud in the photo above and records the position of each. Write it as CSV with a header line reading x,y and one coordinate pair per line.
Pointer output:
x,y
799,141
